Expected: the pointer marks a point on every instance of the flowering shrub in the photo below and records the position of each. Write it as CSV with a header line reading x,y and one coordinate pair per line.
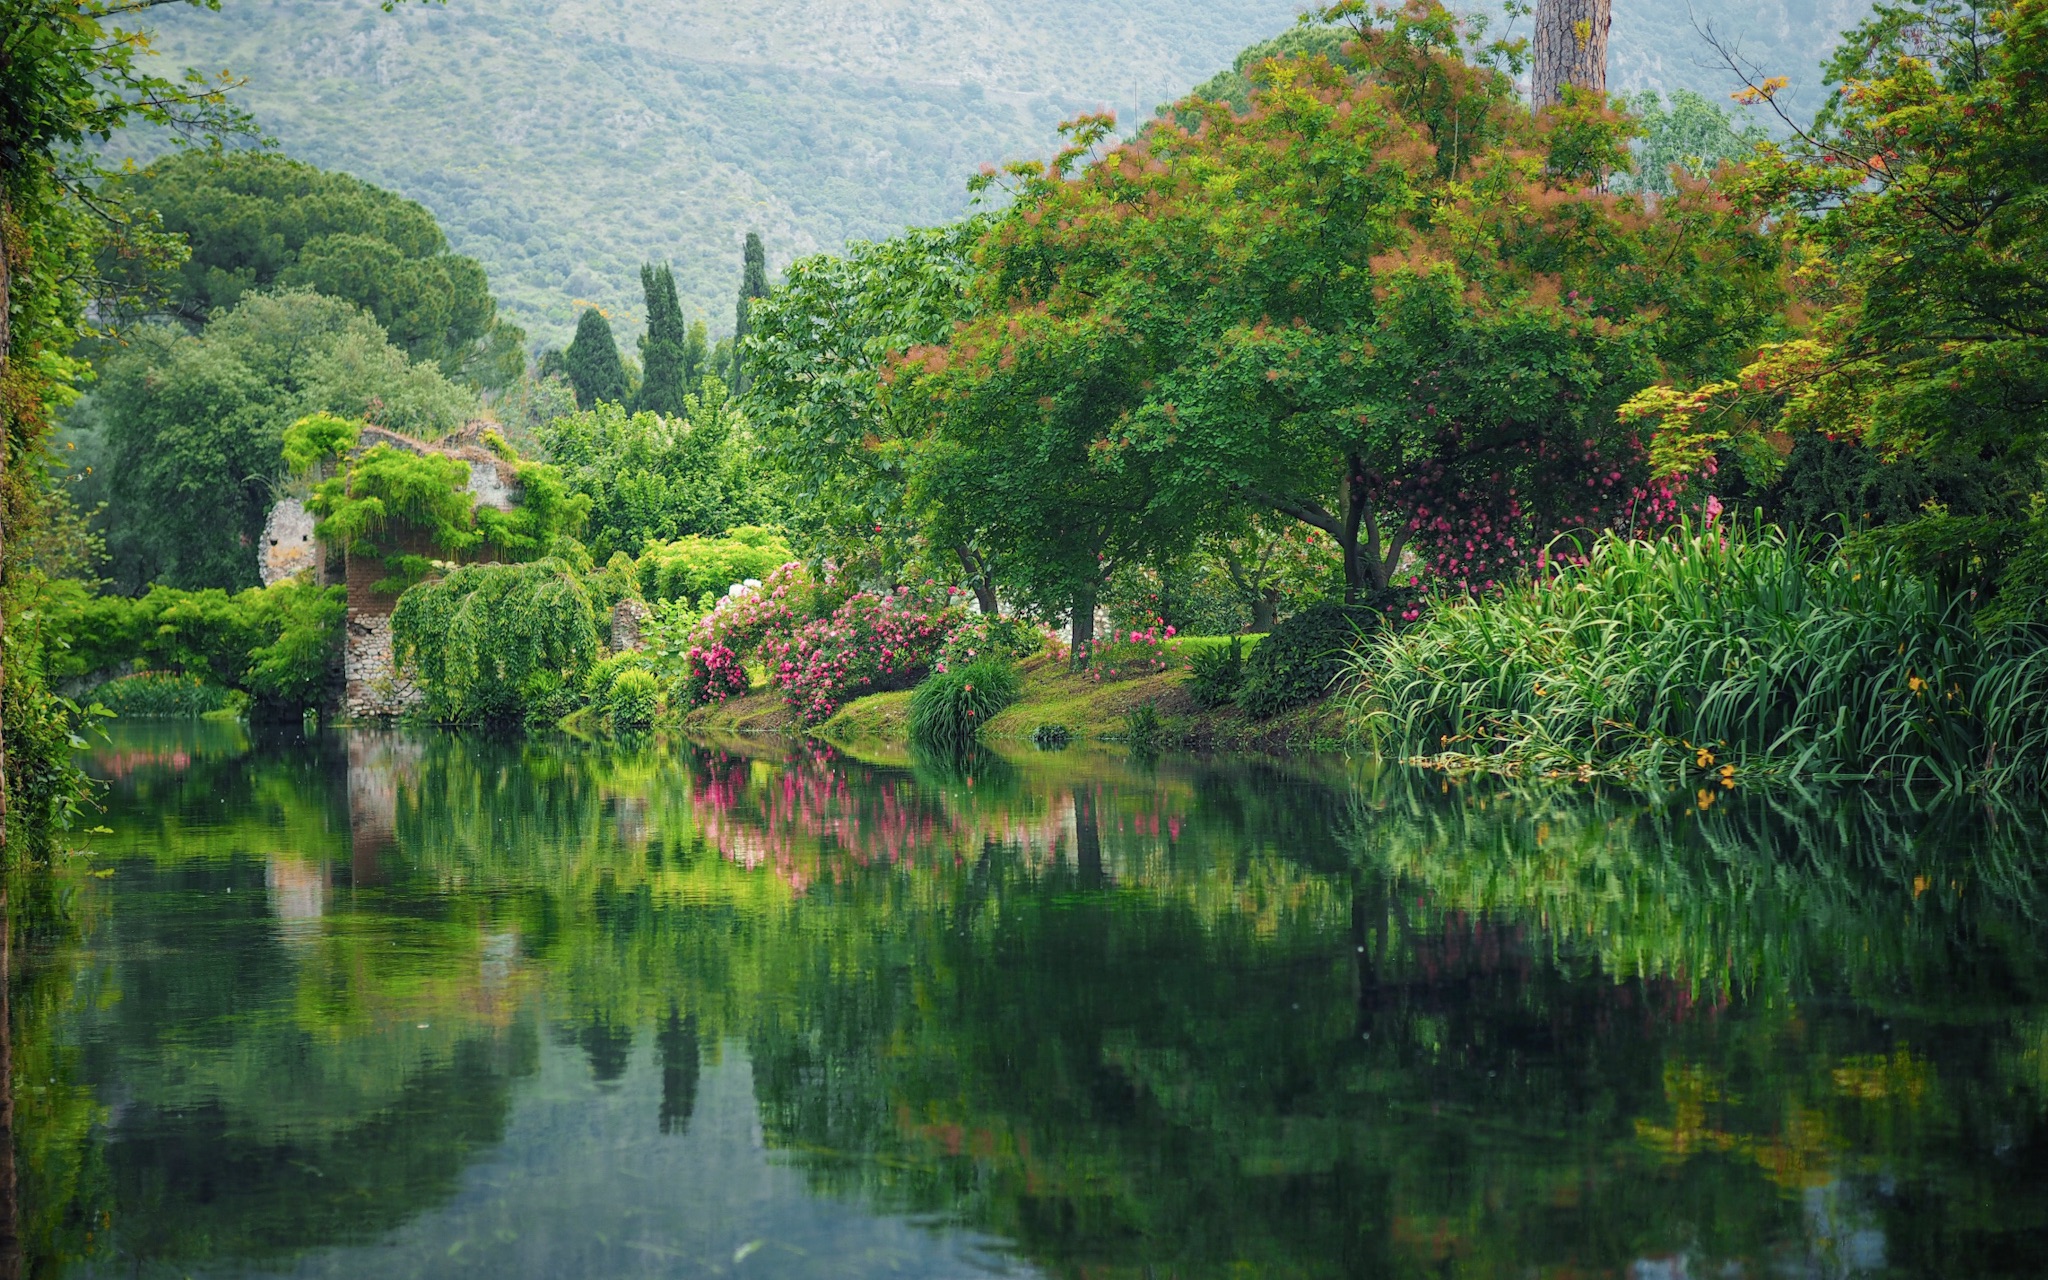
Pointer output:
x,y
713,673
871,643
981,635
1128,655
712,649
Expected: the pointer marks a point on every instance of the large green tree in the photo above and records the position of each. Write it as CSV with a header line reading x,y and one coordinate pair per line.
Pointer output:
x,y
194,426
254,220
1917,207
665,364
653,478
71,73
1387,302
592,362
837,444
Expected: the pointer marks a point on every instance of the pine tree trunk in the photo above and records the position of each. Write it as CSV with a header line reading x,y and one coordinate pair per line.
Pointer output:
x,y
1571,48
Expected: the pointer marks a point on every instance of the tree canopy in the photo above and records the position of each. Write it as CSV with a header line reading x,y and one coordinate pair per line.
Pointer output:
x,y
1387,302
667,365
255,220
194,426
654,479
1913,207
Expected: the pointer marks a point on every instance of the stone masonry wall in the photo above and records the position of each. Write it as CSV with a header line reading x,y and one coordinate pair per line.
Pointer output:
x,y
373,687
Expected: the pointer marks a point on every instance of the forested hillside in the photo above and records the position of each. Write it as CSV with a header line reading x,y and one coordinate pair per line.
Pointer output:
x,y
563,144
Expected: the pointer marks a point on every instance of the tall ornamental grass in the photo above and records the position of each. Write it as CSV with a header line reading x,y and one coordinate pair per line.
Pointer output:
x,y
1711,655
951,707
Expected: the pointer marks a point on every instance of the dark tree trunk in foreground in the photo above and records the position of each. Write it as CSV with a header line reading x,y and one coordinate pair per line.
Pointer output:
x,y
1571,48
10,1206
6,431
980,579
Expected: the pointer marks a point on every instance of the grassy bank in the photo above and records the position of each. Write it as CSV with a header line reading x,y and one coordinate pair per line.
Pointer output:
x,y
1052,695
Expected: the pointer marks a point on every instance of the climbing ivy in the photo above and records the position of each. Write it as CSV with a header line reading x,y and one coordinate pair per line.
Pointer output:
x,y
376,497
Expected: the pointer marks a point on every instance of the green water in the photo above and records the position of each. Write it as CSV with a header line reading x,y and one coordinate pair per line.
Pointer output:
x,y
389,1004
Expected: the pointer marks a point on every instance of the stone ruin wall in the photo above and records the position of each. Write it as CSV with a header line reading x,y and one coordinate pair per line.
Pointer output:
x,y
372,685
288,548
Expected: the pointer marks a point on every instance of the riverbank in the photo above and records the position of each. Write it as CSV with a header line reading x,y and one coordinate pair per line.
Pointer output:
x,y
1051,695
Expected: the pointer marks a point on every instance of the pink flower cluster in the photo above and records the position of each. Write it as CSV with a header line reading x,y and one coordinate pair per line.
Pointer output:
x,y
1478,528
714,673
1126,657
714,664
871,643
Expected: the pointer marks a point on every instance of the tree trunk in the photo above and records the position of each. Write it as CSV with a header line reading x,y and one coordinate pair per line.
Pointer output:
x,y
1571,48
10,1210
1084,627
1265,607
976,569
6,442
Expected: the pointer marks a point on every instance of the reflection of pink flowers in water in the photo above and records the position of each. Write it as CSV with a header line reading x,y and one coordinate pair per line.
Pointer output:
x,y
815,819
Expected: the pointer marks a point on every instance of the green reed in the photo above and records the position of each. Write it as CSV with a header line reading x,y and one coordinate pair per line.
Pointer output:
x,y
951,707
1714,654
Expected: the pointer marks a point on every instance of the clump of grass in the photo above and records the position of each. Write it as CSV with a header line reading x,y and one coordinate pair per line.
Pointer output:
x,y
1142,727
951,706
1214,673
1051,737
1713,655
162,694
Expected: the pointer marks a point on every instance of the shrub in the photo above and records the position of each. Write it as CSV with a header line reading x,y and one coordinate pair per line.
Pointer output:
x,y
161,694
689,568
870,644
981,634
1711,656
713,673
1051,737
1214,673
951,707
634,699
1302,658
715,646
278,644
1142,728
597,684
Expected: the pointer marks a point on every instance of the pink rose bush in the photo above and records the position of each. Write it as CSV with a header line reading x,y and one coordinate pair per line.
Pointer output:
x,y
871,643
1129,655
821,645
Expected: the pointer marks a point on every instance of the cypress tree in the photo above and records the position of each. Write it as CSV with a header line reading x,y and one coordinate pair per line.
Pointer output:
x,y
696,353
664,350
753,284
592,362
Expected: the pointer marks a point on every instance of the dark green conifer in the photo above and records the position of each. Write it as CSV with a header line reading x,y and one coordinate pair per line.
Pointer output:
x,y
592,362
696,354
664,350
753,284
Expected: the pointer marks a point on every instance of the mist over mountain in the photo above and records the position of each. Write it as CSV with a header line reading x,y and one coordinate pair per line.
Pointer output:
x,y
564,142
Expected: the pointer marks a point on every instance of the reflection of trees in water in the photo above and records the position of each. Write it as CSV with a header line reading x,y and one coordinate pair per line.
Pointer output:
x,y
1288,1017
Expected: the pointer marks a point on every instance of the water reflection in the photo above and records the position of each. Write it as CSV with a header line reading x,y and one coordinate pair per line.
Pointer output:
x,y
430,1005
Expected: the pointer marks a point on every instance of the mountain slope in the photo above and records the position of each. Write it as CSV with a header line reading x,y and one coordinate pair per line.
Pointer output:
x,y
563,142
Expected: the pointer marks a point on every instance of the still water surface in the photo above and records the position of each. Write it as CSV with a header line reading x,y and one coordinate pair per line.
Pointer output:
x,y
413,1005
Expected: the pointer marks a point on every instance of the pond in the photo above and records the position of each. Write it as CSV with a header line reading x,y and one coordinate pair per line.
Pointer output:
x,y
404,1004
